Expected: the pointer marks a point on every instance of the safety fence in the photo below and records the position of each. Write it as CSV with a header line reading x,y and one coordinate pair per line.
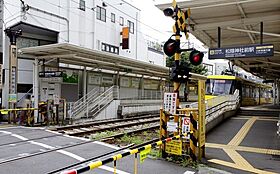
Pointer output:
x,y
219,105
134,109
143,151
49,112
141,94
23,115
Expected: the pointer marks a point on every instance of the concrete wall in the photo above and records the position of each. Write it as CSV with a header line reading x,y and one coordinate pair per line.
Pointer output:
x,y
218,120
110,112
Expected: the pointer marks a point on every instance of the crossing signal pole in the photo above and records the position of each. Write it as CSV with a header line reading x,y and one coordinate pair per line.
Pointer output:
x,y
181,74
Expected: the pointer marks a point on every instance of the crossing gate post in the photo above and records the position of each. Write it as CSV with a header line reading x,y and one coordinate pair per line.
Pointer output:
x,y
163,130
201,119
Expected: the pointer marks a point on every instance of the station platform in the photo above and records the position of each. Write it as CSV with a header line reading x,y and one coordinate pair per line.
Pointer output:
x,y
246,143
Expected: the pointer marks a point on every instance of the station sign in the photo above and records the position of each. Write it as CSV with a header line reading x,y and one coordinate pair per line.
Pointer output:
x,y
48,74
246,51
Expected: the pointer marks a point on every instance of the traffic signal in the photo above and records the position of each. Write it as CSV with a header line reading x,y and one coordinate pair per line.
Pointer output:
x,y
196,57
171,47
125,38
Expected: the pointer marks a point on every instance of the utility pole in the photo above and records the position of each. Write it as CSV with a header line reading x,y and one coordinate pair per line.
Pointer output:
x,y
13,74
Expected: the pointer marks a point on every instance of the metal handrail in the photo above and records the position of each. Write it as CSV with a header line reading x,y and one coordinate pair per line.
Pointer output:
x,y
90,104
86,97
25,94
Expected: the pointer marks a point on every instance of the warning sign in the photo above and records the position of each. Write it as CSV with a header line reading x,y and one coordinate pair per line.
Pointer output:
x,y
144,154
169,104
172,126
186,126
174,147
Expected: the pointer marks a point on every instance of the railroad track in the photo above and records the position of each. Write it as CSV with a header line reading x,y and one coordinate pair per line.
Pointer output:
x,y
106,125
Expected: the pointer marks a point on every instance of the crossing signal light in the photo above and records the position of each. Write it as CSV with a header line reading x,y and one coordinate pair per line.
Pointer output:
x,y
196,57
171,47
180,74
125,38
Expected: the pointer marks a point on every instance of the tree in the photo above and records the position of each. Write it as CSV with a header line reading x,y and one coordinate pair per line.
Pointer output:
x,y
184,59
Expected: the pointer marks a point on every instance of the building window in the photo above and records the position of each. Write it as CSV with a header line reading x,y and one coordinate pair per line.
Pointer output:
x,y
130,26
101,14
113,17
110,48
121,21
82,5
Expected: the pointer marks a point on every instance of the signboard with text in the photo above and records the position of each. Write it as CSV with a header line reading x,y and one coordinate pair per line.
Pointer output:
x,y
48,74
169,104
247,51
174,147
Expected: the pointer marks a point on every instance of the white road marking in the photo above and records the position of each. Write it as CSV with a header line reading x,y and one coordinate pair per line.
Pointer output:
x,y
23,154
19,137
5,132
41,144
72,155
78,138
52,132
189,172
110,169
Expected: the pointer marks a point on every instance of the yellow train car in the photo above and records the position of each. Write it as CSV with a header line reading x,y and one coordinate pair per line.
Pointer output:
x,y
251,93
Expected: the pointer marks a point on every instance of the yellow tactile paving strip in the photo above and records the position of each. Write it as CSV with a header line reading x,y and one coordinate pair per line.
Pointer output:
x,y
261,118
6,125
233,146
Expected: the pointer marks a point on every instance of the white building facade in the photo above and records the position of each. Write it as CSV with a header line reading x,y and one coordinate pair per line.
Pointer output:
x,y
92,24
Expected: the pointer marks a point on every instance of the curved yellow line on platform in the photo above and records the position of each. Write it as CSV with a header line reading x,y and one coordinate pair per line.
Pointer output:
x,y
233,165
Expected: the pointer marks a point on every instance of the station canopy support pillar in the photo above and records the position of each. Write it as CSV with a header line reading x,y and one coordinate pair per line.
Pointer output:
x,y
85,81
36,88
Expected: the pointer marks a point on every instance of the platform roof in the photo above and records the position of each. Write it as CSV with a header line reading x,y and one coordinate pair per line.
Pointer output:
x,y
76,55
240,25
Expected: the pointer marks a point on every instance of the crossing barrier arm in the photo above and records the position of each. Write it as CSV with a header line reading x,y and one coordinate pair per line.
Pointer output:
x,y
96,164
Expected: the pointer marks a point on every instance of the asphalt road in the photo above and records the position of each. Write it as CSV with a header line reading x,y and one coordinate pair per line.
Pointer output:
x,y
20,142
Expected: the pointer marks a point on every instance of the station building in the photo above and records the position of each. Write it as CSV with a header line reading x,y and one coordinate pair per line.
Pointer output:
x,y
93,25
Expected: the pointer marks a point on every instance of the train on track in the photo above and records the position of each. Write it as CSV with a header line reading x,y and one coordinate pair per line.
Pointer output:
x,y
250,92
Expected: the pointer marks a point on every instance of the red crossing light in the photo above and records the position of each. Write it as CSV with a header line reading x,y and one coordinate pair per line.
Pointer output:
x,y
170,47
196,57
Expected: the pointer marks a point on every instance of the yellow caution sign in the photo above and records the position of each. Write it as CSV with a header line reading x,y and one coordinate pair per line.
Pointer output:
x,y
174,147
144,154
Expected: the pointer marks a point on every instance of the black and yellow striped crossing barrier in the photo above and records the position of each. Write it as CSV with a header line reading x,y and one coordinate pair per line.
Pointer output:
x,y
96,164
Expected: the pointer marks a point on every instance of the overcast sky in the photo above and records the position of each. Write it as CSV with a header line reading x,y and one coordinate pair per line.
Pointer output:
x,y
152,16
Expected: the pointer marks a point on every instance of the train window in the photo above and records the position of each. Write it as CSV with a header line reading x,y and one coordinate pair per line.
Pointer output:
x,y
218,87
